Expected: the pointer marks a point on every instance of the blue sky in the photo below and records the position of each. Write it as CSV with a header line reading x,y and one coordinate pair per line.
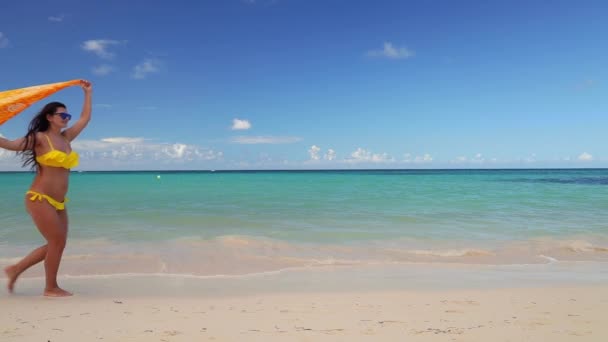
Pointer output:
x,y
279,84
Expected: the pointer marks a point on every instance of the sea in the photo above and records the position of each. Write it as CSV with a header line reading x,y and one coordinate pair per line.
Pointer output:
x,y
234,223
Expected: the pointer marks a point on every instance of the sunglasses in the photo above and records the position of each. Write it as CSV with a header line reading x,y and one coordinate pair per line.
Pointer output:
x,y
64,116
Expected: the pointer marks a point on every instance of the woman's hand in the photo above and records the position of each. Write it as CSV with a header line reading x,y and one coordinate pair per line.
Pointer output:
x,y
86,86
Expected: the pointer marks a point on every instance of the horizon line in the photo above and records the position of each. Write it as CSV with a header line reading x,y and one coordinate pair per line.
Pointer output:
x,y
317,170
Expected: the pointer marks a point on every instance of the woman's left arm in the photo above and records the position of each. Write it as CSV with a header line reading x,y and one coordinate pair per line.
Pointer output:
x,y
72,132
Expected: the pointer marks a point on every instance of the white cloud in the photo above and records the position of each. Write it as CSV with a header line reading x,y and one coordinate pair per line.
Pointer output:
x,y
363,156
426,158
530,159
103,70
100,47
330,155
57,18
139,149
478,159
123,140
3,40
314,152
176,151
7,155
264,140
148,66
392,52
585,157
238,124
409,158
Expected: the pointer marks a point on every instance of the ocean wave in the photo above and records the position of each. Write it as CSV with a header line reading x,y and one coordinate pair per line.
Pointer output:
x,y
453,253
236,255
580,246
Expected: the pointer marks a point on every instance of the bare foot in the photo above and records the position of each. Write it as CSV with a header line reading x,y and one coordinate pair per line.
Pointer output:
x,y
11,274
57,292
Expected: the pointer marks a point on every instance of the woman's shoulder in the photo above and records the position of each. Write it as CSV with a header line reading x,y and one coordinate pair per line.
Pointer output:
x,y
39,135
40,138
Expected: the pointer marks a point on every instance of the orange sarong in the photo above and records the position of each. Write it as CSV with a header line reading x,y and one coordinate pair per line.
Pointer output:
x,y
13,102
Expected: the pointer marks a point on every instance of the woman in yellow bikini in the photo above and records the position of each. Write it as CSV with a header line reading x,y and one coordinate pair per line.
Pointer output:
x,y
46,147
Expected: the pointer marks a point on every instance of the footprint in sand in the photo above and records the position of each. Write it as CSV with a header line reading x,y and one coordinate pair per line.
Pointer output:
x,y
171,332
453,311
460,302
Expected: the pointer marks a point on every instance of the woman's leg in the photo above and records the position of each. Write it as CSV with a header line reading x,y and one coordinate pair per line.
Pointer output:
x,y
52,224
13,271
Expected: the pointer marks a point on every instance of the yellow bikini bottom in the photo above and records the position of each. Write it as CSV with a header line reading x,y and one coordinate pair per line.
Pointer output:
x,y
38,196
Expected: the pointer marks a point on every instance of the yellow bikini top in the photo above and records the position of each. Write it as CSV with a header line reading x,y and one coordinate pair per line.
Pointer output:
x,y
58,158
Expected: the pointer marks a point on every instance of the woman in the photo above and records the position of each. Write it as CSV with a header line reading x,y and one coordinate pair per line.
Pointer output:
x,y
46,147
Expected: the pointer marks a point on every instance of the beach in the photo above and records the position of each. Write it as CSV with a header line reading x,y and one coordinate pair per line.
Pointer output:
x,y
275,170
496,255
314,306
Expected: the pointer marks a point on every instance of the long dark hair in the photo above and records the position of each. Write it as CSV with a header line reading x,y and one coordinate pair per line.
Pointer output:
x,y
38,124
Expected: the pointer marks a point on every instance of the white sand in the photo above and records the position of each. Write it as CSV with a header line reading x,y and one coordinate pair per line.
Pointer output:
x,y
416,302
537,314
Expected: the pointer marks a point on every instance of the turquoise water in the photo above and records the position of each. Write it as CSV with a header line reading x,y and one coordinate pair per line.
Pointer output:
x,y
373,213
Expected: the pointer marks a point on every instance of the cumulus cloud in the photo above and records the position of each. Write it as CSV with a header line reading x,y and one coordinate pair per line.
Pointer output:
x,y
364,156
3,153
7,155
264,140
103,70
100,47
330,155
123,140
585,157
478,159
3,40
392,52
136,148
314,152
238,124
148,66
425,158
530,159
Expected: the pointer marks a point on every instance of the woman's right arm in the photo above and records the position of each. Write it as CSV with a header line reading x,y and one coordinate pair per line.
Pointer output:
x,y
12,145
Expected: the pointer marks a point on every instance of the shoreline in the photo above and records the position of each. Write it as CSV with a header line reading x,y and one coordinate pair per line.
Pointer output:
x,y
331,278
234,255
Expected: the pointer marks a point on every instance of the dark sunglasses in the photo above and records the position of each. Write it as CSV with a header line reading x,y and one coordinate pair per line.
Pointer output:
x,y
64,116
